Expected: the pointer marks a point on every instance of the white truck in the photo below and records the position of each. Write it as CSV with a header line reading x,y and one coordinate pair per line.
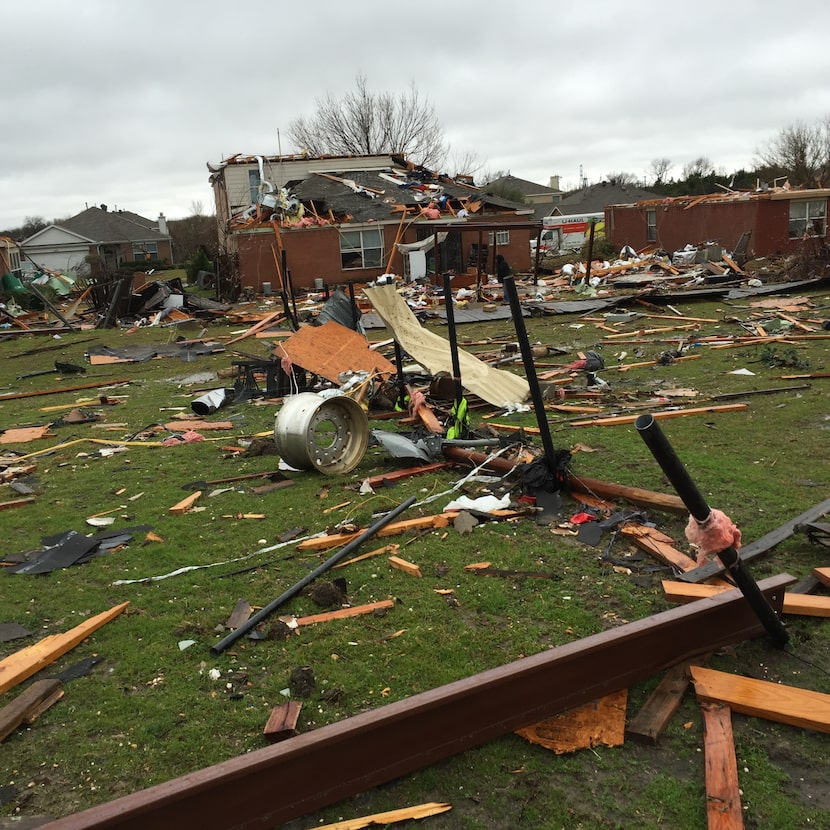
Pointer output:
x,y
567,234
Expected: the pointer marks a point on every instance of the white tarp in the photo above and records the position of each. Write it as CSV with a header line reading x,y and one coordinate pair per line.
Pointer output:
x,y
424,245
496,386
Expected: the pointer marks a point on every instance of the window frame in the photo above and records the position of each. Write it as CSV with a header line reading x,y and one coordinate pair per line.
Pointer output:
x,y
651,225
145,250
815,210
254,182
375,260
502,238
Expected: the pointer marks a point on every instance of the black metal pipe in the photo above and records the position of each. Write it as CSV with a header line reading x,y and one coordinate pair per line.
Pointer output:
x,y
696,504
530,370
272,606
400,398
456,365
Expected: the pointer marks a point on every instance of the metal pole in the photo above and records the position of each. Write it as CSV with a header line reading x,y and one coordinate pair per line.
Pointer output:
x,y
295,589
592,225
682,482
530,370
456,365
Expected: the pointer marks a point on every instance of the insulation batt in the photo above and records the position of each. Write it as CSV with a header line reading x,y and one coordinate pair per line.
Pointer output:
x,y
717,533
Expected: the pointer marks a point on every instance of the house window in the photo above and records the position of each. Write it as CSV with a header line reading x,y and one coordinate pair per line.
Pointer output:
x,y
361,249
651,225
808,218
15,261
502,237
145,250
253,186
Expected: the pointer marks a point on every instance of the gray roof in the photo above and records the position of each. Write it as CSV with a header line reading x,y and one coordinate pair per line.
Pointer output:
x,y
523,186
112,226
595,197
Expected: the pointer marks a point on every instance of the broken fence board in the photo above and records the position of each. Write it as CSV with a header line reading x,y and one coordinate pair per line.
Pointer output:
x,y
762,699
29,705
650,722
282,722
23,664
345,613
723,794
334,540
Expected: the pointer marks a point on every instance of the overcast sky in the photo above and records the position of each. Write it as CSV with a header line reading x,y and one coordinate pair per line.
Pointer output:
x,y
123,102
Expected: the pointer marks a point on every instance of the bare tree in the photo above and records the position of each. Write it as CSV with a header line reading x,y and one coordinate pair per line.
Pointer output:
x,y
464,164
801,152
363,122
700,167
659,169
621,178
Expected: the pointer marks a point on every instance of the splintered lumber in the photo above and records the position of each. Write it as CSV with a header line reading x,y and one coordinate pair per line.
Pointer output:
x,y
345,613
668,502
723,794
335,539
185,504
23,664
671,413
402,565
398,475
431,808
658,545
600,722
269,320
806,605
650,722
762,699
20,395
395,739
393,548
282,722
21,502
29,705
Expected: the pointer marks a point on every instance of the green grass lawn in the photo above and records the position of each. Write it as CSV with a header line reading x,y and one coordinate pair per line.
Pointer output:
x,y
150,711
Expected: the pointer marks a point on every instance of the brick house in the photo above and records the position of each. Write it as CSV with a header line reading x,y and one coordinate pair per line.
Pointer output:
x,y
339,219
777,220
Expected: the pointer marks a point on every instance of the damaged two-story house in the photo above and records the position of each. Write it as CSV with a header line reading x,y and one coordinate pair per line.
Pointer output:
x,y
302,222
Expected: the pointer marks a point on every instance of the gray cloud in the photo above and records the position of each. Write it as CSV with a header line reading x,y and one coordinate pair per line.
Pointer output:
x,y
124,102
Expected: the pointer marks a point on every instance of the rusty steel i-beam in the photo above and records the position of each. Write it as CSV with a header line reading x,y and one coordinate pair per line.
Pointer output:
x,y
308,772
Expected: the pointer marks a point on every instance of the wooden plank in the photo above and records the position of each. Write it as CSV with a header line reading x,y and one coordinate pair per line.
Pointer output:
x,y
822,575
600,722
345,613
28,705
650,722
431,808
398,475
22,435
22,502
402,565
804,604
282,722
336,539
185,504
760,698
197,425
723,794
22,664
20,395
672,413
654,542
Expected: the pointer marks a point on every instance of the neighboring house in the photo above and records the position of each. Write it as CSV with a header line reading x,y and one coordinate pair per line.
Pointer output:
x,y
543,198
596,197
340,219
117,238
777,220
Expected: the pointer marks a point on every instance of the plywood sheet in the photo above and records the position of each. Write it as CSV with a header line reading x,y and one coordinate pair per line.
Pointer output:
x,y
496,386
331,349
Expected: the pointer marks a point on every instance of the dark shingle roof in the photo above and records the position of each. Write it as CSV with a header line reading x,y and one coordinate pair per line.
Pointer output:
x,y
523,186
595,197
106,226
